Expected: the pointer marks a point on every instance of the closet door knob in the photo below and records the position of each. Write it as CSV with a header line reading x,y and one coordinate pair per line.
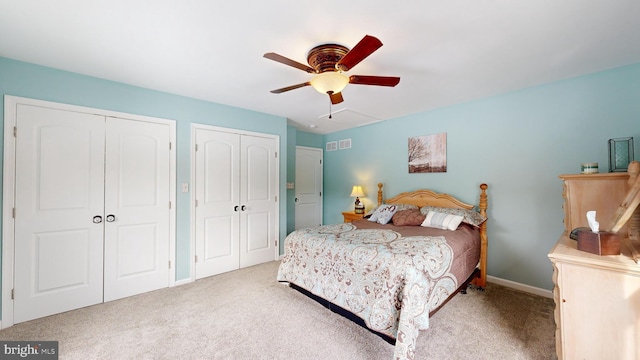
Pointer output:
x,y
111,218
235,208
243,208
97,219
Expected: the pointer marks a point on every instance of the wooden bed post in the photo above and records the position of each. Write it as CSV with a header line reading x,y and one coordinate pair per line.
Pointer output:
x,y
379,194
482,280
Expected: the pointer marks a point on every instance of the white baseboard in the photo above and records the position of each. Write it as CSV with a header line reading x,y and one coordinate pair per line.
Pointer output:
x,y
522,287
183,281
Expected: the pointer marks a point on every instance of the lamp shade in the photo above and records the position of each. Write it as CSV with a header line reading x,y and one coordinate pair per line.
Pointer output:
x,y
329,82
357,191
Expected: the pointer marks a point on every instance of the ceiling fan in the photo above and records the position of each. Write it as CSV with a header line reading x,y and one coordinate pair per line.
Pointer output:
x,y
329,62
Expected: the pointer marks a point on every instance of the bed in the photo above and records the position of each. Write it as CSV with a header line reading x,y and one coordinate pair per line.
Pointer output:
x,y
391,277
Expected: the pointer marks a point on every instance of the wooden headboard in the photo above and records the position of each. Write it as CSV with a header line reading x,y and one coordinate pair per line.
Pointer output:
x,y
427,197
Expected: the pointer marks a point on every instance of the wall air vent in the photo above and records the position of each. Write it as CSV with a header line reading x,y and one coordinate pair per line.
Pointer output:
x,y
331,146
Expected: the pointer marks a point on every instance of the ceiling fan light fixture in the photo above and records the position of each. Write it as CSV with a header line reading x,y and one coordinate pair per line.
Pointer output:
x,y
329,82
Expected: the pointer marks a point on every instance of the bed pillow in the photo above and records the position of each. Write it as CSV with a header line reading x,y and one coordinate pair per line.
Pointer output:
x,y
399,207
383,213
411,217
441,220
470,217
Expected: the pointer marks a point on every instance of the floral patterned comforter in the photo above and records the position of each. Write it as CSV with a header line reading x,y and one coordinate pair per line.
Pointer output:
x,y
389,276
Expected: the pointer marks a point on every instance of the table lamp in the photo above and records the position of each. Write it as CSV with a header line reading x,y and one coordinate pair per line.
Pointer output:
x,y
357,192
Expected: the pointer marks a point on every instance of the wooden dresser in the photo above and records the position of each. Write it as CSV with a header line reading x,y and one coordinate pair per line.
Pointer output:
x,y
597,298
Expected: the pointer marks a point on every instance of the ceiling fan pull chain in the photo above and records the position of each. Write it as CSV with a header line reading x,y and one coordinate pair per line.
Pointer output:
x,y
330,108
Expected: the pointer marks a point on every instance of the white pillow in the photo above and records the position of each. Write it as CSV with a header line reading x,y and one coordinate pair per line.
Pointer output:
x,y
383,214
442,221
470,217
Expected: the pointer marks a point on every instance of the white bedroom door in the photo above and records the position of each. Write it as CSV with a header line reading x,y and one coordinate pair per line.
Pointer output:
x,y
308,187
137,207
59,210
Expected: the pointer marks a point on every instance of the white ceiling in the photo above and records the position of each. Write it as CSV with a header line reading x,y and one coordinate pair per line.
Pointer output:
x,y
446,52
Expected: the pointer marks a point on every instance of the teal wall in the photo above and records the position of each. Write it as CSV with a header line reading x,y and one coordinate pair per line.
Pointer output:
x,y
309,140
518,143
27,80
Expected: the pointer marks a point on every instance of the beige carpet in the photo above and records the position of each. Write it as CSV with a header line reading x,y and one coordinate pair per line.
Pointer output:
x,y
246,314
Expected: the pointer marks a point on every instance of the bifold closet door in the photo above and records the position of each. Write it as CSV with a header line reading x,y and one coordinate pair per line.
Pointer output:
x,y
59,211
235,192
217,187
258,190
92,210
137,198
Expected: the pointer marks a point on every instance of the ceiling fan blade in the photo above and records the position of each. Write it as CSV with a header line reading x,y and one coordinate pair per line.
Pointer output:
x,y
285,60
292,87
336,98
364,48
374,80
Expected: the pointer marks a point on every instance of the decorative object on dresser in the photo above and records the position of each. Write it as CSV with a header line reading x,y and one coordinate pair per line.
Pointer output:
x,y
589,168
593,240
598,297
387,277
599,243
357,192
620,154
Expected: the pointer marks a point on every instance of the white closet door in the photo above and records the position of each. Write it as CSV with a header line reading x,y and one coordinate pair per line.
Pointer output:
x,y
218,204
258,192
308,186
137,213
58,192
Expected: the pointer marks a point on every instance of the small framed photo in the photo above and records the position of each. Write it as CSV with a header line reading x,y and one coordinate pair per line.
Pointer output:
x,y
620,154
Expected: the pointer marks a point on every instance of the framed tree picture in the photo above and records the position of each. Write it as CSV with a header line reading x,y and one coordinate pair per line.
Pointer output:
x,y
428,154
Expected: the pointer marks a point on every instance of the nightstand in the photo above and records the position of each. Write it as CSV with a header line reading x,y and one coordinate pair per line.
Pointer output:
x,y
349,216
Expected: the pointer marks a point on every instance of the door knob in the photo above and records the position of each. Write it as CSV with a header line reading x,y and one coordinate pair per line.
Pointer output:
x,y
296,200
235,208
243,208
111,218
97,219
